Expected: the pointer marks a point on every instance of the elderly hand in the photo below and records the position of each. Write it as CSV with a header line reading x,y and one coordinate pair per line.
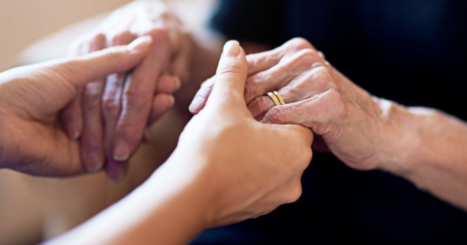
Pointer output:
x,y
111,114
31,138
347,120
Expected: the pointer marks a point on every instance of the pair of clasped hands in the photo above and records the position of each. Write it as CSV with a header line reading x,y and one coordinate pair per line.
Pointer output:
x,y
222,144
52,122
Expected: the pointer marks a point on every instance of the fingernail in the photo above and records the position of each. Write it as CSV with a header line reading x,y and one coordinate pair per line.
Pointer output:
x,y
116,173
140,42
93,162
121,152
231,48
195,104
171,100
178,83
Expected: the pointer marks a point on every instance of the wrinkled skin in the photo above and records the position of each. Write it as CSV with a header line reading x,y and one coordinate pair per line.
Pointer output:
x,y
31,98
111,114
347,120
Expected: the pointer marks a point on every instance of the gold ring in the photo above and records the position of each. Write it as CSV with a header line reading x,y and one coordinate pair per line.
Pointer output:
x,y
274,98
279,97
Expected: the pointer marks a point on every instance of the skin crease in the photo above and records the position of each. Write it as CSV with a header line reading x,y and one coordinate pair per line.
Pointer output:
x,y
365,132
138,18
216,176
128,102
33,140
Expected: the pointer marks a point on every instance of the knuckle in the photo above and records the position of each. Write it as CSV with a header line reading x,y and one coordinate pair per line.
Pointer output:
x,y
320,77
92,99
295,193
321,55
305,58
277,115
299,43
135,99
335,101
258,105
230,68
111,108
250,87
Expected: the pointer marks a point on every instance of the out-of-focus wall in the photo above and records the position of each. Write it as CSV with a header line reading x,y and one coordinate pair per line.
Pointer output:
x,y
24,21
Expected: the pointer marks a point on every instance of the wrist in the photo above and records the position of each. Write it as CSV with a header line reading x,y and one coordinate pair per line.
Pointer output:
x,y
183,178
398,136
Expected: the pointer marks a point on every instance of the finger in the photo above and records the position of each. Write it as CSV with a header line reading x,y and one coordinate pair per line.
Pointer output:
x,y
71,117
230,78
92,140
137,98
160,105
265,60
168,84
259,106
81,70
199,101
111,109
304,86
180,63
72,114
281,74
316,113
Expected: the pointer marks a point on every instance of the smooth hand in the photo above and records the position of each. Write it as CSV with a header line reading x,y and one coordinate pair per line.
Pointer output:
x,y
347,120
31,136
249,168
111,114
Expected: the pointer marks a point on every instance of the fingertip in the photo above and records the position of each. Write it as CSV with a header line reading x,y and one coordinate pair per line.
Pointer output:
x,y
117,172
121,151
231,48
141,43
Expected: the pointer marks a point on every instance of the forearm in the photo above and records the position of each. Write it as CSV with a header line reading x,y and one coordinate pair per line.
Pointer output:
x,y
167,209
430,152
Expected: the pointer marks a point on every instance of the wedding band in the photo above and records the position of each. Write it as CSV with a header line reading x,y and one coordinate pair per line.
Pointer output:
x,y
274,98
279,97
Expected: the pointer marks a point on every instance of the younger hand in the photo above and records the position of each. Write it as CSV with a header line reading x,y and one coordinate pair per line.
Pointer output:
x,y
31,137
249,168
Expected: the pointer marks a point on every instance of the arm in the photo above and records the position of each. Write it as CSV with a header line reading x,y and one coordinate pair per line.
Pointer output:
x,y
428,149
423,145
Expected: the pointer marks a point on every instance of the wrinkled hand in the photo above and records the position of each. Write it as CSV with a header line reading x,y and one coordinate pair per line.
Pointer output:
x,y
347,120
112,113
250,167
31,97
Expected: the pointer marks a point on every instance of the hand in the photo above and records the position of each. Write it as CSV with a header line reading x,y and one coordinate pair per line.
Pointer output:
x,y
251,168
111,114
347,120
227,168
31,138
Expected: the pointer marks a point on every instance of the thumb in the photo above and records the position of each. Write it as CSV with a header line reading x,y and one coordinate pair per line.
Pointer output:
x,y
81,70
230,78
